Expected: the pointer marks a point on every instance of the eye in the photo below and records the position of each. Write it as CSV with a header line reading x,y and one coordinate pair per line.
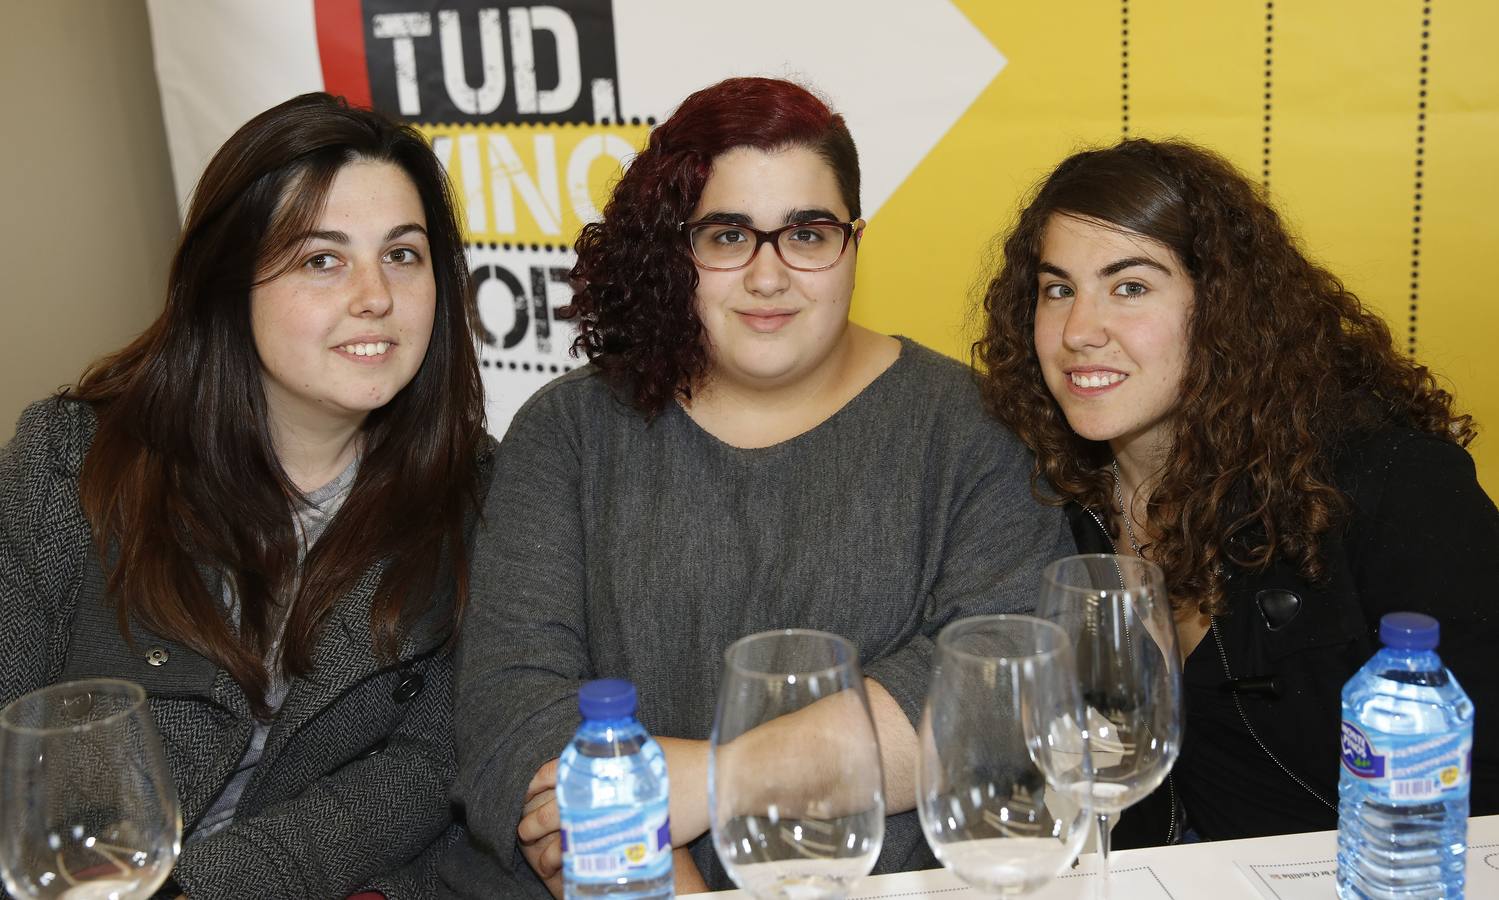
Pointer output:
x,y
403,255
729,236
1131,289
806,235
321,262
1056,291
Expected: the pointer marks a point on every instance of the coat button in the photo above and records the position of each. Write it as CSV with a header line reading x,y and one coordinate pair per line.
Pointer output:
x,y
1278,606
157,656
409,687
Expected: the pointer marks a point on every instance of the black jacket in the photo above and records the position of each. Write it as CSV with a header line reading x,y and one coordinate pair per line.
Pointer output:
x,y
1420,535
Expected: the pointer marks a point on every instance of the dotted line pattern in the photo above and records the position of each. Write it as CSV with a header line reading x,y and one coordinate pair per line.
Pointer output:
x,y
1124,68
1420,176
531,123
1269,48
534,248
512,365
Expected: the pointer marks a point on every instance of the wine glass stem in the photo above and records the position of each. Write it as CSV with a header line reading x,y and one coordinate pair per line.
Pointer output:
x,y
1103,844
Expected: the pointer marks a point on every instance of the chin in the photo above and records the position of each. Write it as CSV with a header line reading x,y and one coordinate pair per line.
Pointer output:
x,y
763,368
1093,431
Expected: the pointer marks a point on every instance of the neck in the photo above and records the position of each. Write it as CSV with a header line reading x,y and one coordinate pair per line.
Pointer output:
x,y
313,454
790,393
1138,472
1140,469
752,414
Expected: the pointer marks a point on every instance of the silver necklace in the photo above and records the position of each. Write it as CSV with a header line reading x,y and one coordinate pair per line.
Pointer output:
x,y
1127,515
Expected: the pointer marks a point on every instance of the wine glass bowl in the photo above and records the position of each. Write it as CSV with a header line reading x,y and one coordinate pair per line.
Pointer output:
x,y
87,808
795,788
1117,613
1003,778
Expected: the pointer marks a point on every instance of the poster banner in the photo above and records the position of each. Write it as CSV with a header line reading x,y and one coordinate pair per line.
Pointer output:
x,y
1367,124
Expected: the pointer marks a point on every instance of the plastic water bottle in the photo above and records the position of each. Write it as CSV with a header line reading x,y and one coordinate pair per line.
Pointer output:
x,y
611,793
1407,757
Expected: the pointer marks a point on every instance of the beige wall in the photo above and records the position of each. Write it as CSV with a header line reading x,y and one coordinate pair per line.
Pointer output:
x,y
89,211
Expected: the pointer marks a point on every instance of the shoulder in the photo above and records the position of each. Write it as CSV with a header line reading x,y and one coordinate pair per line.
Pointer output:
x,y
922,370
52,437
1371,463
1417,485
942,395
581,398
43,533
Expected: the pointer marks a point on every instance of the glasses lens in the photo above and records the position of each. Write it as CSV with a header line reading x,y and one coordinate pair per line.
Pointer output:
x,y
811,246
722,246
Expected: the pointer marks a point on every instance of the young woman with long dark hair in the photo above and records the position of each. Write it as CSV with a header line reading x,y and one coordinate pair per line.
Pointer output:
x,y
258,510
1199,393
737,457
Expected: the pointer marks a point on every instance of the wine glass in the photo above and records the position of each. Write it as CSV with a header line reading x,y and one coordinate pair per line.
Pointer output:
x,y
87,808
1002,786
795,790
1118,615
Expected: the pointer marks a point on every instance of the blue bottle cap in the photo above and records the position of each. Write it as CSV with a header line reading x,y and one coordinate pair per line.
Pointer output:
x,y
1409,631
607,698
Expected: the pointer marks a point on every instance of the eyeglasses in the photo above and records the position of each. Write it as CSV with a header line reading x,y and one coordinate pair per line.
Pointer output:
x,y
804,246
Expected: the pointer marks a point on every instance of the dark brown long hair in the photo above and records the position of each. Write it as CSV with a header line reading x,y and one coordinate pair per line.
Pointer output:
x,y
634,280
1284,365
182,475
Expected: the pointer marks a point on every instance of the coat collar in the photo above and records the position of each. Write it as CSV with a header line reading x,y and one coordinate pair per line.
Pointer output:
x,y
345,655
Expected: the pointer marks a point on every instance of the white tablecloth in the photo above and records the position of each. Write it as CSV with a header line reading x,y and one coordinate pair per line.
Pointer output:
x,y
1286,867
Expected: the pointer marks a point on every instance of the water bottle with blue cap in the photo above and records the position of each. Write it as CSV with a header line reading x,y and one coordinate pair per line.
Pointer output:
x,y
1407,754
612,797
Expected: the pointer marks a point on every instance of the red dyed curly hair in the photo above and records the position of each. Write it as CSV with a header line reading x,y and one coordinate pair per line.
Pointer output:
x,y
635,279
1285,364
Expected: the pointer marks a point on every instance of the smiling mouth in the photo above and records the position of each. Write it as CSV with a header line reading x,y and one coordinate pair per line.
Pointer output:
x,y
372,348
1096,379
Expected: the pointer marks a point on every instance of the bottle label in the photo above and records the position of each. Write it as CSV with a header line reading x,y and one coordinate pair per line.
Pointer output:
x,y
1409,767
603,846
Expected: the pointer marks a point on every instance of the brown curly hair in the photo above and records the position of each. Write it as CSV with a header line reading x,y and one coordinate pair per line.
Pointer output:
x,y
1285,365
635,279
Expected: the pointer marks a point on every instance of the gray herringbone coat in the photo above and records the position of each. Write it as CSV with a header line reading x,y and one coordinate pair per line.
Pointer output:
x,y
351,792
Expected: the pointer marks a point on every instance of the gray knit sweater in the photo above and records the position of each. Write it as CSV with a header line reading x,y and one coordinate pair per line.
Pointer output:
x,y
617,548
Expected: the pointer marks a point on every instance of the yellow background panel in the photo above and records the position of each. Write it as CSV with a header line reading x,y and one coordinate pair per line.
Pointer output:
x,y
1459,315
1197,72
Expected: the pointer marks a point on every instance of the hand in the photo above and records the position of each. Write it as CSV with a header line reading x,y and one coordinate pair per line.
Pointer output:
x,y
540,828
684,871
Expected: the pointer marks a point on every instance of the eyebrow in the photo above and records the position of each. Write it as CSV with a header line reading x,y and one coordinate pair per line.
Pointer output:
x,y
1129,262
816,214
793,217
340,237
728,218
1113,268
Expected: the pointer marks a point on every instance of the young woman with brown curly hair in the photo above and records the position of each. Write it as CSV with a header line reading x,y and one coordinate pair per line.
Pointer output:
x,y
737,457
1199,393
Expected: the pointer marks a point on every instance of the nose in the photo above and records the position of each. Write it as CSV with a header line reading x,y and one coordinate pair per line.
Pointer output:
x,y
372,296
766,274
1086,324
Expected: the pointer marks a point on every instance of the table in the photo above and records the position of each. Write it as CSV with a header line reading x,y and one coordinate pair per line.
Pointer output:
x,y
1285,867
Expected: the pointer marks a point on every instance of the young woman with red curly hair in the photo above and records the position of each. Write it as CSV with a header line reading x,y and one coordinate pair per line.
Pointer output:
x,y
737,457
1198,393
